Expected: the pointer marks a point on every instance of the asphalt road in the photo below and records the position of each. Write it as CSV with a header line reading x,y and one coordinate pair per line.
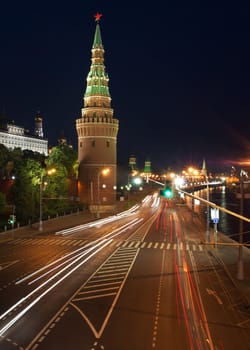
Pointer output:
x,y
138,281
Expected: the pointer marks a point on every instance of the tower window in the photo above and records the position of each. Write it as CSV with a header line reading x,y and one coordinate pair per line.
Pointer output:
x,y
93,143
108,144
80,144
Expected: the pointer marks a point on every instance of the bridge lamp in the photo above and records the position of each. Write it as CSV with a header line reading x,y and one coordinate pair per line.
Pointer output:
x,y
103,172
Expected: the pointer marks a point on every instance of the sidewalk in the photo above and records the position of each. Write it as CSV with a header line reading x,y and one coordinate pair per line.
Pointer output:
x,y
226,252
229,255
51,225
58,223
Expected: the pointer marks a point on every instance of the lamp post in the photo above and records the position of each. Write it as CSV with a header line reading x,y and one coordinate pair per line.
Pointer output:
x,y
192,172
240,272
41,204
49,172
208,220
103,172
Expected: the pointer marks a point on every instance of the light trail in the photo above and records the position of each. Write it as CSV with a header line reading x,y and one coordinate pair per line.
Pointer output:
x,y
18,316
79,256
60,265
183,306
112,234
51,264
98,222
43,284
190,299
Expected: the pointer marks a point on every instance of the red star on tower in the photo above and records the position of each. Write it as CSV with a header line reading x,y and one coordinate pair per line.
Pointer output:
x,y
98,16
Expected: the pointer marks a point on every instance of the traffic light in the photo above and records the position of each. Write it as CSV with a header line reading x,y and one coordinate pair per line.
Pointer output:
x,y
167,192
12,219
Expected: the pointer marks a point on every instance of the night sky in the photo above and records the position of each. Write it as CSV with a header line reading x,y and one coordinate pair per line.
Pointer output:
x,y
179,75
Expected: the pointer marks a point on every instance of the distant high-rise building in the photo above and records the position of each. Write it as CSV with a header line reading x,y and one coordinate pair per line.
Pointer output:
x,y
97,136
14,136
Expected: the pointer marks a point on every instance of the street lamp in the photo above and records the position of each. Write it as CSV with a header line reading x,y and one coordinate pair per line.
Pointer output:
x,y
103,172
208,219
240,272
192,173
49,172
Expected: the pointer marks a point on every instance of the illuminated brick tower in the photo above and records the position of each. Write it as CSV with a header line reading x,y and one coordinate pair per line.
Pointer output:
x,y
39,125
97,134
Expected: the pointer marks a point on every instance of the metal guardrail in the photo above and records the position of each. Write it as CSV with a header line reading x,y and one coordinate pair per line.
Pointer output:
x,y
213,205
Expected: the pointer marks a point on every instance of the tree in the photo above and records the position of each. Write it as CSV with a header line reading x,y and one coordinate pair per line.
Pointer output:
x,y
4,158
32,180
2,202
66,156
26,189
64,159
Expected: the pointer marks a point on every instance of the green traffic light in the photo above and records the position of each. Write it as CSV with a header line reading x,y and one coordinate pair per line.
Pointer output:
x,y
168,193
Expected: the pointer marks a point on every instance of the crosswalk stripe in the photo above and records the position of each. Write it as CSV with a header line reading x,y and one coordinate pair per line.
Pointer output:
x,y
83,243
122,244
64,242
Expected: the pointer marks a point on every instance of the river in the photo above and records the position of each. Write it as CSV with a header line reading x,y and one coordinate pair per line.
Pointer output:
x,y
226,198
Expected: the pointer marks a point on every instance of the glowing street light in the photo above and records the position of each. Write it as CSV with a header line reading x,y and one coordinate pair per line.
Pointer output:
x,y
103,172
192,172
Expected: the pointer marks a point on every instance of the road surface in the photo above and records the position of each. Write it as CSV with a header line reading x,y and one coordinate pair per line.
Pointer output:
x,y
141,280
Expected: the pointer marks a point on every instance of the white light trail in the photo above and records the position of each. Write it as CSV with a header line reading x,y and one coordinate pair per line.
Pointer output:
x,y
57,260
98,222
112,234
18,316
43,284
104,241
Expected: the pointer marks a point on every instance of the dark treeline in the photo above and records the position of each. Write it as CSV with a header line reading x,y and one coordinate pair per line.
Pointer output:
x,y
26,177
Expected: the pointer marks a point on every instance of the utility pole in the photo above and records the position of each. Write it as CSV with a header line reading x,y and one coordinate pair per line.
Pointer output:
x,y
240,272
208,219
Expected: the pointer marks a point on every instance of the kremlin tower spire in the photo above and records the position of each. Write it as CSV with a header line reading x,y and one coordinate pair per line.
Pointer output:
x,y
97,135
39,125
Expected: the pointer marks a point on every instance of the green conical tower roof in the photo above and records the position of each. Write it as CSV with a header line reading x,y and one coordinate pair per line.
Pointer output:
x,y
97,39
147,167
97,79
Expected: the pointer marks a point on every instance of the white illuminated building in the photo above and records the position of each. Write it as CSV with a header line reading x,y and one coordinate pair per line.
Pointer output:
x,y
13,136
